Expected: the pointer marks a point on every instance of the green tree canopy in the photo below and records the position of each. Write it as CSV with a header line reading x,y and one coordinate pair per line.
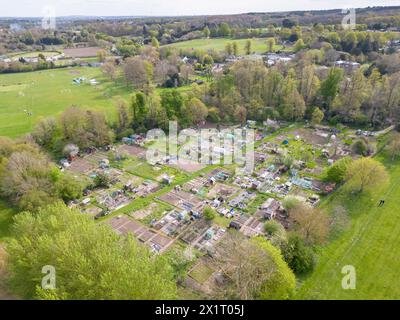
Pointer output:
x,y
91,261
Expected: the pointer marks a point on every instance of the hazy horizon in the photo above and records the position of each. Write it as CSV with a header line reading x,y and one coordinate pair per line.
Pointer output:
x,y
160,8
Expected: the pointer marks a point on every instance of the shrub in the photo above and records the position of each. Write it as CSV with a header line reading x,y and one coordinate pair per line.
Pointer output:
x,y
300,258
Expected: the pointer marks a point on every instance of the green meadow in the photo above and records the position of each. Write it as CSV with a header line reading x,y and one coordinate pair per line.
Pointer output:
x,y
26,97
371,245
259,45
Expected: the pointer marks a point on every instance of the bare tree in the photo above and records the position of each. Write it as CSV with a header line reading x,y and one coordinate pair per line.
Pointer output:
x,y
109,70
136,72
312,223
244,266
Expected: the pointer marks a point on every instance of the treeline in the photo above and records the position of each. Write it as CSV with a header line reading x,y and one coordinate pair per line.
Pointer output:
x,y
249,90
22,66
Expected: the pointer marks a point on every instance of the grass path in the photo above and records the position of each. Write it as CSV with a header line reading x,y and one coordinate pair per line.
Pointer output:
x,y
371,245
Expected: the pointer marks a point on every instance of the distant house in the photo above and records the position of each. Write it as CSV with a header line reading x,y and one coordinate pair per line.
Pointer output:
x,y
348,66
95,64
274,58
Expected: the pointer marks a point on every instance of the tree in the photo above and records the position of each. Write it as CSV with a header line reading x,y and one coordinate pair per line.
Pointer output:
x,y
241,115
68,187
123,121
206,32
287,23
247,47
172,102
207,60
101,55
235,48
293,106
91,260
27,179
196,111
109,70
366,175
299,45
393,147
224,30
163,71
330,86
252,269
45,132
317,116
102,180
85,128
271,44
154,42
186,72
360,147
337,172
352,95
276,233
139,109
312,223
228,49
309,84
97,129
300,258
137,72
73,122
209,213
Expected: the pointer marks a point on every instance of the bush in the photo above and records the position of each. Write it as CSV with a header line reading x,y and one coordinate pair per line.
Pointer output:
x,y
290,202
360,147
337,172
209,213
300,258
272,227
276,233
102,180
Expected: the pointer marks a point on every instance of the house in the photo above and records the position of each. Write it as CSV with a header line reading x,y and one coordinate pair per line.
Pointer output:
x,y
348,66
274,58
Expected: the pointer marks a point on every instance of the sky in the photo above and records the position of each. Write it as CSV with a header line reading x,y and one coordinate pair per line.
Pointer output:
x,y
37,8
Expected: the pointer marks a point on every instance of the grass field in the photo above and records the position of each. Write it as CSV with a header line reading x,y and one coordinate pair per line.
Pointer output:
x,y
371,245
46,93
258,44
49,92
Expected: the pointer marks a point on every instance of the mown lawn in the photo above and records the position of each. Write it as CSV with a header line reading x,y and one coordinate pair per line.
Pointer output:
x,y
259,45
26,97
49,92
371,245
